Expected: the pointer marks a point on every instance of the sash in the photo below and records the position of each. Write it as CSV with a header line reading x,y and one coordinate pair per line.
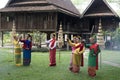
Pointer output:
x,y
52,42
81,46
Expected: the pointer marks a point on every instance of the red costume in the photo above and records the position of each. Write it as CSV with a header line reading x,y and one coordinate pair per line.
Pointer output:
x,y
52,55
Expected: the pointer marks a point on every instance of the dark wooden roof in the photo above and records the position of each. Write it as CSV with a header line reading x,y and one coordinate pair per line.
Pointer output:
x,y
64,6
99,8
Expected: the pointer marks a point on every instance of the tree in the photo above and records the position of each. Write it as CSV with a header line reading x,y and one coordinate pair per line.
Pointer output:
x,y
116,38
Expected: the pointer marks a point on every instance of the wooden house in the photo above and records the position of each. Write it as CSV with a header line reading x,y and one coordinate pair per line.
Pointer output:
x,y
41,15
98,10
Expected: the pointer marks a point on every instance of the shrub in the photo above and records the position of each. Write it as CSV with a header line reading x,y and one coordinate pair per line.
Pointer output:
x,y
43,49
116,38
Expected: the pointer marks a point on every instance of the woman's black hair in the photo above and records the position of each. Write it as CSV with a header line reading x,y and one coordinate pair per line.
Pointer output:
x,y
30,36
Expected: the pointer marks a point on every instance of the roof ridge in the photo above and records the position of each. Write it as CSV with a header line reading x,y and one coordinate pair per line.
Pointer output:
x,y
105,2
61,5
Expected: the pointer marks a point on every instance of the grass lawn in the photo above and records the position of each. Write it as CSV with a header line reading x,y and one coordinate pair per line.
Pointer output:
x,y
39,69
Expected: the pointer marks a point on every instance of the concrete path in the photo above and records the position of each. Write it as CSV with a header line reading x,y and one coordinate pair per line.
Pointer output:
x,y
105,62
112,64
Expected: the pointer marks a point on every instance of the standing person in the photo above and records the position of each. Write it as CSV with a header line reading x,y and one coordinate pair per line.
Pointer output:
x,y
17,51
76,56
52,51
82,55
93,57
73,48
27,45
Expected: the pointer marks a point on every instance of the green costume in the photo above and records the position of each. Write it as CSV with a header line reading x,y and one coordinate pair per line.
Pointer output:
x,y
93,59
92,54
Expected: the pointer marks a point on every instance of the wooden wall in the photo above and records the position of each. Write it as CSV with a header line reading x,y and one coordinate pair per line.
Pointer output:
x,y
98,7
6,22
30,21
69,23
36,21
108,23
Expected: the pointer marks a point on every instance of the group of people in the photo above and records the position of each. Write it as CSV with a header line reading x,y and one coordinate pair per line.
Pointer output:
x,y
27,45
77,58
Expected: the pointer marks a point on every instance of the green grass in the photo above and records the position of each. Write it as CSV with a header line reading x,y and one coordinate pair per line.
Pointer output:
x,y
39,69
112,56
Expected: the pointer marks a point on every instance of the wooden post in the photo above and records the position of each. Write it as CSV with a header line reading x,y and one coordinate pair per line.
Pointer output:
x,y
68,27
0,20
40,39
2,37
48,36
1,41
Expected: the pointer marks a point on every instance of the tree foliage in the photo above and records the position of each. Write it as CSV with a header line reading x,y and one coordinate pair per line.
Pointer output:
x,y
39,38
117,34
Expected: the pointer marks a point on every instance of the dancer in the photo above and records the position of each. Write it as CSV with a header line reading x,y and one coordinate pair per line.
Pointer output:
x,y
17,51
93,56
52,51
27,45
73,48
76,56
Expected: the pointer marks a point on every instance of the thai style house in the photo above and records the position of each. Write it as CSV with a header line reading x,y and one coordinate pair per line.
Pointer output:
x,y
41,15
98,11
47,15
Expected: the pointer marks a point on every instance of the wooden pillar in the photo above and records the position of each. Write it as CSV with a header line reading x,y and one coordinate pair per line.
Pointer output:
x,y
118,25
0,20
68,47
68,27
68,35
1,39
0,32
40,39
48,36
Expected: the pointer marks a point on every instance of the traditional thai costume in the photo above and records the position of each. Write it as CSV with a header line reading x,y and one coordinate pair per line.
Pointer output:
x,y
76,56
52,51
71,58
93,59
17,52
27,45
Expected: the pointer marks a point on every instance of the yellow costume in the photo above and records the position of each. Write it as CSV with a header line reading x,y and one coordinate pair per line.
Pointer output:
x,y
17,52
77,55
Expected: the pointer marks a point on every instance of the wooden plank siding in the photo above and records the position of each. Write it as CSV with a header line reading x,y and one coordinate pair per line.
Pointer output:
x,y
31,21
108,23
43,21
6,25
